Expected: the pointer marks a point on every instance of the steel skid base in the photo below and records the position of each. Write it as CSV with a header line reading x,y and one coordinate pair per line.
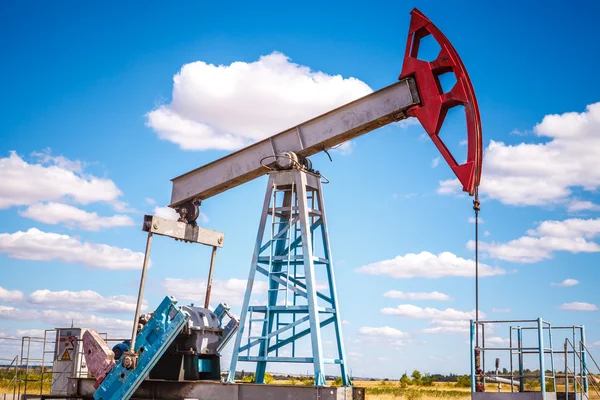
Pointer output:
x,y
83,388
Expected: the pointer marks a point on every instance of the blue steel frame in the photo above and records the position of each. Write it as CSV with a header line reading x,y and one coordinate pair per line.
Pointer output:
x,y
293,212
151,343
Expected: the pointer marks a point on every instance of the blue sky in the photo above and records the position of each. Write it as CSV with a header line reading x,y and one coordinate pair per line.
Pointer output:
x,y
82,81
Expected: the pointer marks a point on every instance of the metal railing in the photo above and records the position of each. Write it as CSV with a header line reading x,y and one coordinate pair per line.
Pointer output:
x,y
580,379
519,378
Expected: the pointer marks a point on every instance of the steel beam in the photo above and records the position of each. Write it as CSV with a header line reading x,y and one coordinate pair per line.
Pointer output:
x,y
182,231
328,130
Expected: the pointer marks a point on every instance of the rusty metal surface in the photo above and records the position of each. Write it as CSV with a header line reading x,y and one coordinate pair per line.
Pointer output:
x,y
210,390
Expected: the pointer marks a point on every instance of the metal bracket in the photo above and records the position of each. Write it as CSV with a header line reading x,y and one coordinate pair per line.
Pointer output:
x,y
435,103
182,231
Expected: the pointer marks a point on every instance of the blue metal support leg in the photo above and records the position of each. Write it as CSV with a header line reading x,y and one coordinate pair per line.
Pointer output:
x,y
289,256
541,354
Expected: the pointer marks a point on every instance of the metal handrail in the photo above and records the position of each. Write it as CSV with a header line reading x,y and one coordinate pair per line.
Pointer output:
x,y
589,354
585,369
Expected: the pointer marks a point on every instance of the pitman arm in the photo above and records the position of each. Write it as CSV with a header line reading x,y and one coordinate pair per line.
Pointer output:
x,y
418,94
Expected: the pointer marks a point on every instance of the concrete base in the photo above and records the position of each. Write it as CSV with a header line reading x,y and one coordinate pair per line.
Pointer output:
x,y
209,390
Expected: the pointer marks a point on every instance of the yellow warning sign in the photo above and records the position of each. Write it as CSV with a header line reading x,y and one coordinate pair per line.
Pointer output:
x,y
66,356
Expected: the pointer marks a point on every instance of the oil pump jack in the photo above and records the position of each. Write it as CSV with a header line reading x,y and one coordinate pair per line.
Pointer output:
x,y
292,241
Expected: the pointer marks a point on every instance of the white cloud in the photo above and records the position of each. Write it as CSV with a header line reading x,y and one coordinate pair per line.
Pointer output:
x,y
501,310
205,96
570,235
435,162
397,294
150,201
382,332
13,313
578,306
344,149
472,220
448,326
497,341
44,246
486,233
166,213
566,283
577,205
543,173
10,295
586,228
57,213
229,291
450,186
83,300
66,318
345,322
169,213
412,311
53,178
428,265
34,333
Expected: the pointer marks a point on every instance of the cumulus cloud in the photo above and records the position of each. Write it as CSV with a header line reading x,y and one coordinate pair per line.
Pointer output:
x,y
383,331
577,205
45,246
39,333
112,326
572,235
169,213
265,97
87,300
51,179
230,291
58,213
435,162
566,283
10,295
441,326
543,173
412,311
397,294
578,306
497,341
428,265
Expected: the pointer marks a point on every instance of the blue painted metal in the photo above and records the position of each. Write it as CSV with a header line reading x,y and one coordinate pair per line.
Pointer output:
x,y
541,355
552,357
472,336
584,370
151,343
521,363
204,365
288,260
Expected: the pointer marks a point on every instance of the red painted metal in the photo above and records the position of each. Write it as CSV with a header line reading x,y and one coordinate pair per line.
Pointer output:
x,y
435,103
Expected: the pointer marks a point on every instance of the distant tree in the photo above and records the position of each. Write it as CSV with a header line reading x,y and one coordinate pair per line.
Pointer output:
x,y
416,377
427,380
463,381
405,380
